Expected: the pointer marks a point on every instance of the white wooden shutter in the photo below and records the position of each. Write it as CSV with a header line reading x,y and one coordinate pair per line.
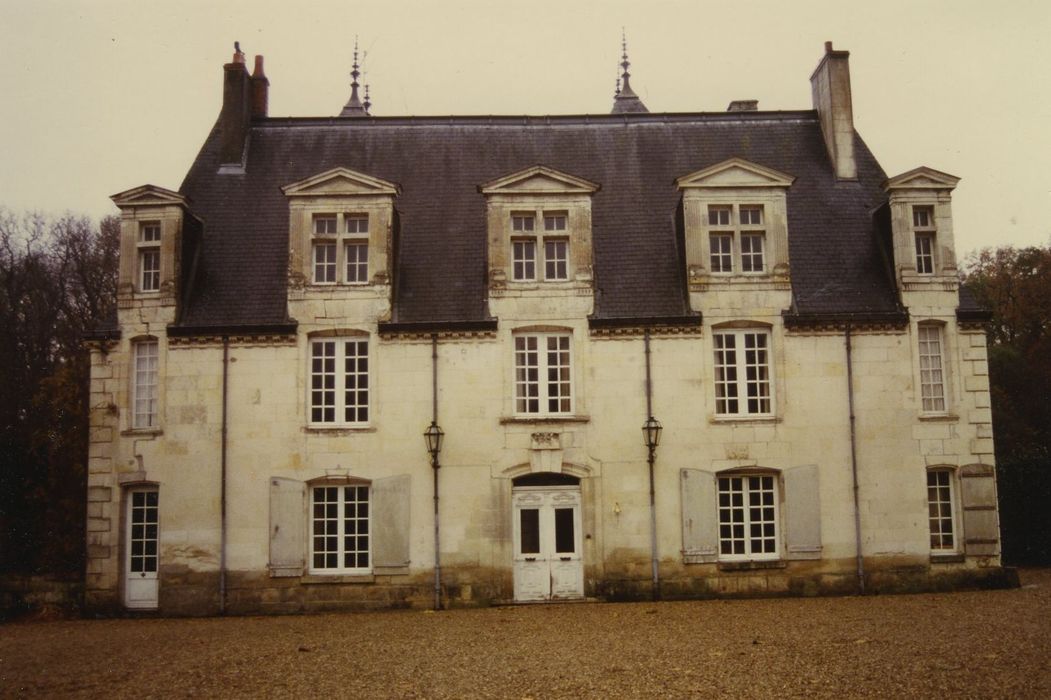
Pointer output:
x,y
981,529
802,513
700,525
288,516
390,524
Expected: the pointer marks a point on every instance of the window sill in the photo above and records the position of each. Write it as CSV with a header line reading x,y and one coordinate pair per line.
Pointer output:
x,y
337,578
142,432
948,558
744,420
544,420
751,565
337,430
939,417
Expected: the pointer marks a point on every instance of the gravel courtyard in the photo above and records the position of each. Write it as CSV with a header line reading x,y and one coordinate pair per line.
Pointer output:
x,y
973,644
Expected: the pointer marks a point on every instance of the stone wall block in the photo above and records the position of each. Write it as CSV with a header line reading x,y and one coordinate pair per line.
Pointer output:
x,y
981,446
100,434
973,383
100,493
98,524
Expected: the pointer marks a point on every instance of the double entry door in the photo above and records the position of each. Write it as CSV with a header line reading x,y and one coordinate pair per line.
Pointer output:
x,y
547,543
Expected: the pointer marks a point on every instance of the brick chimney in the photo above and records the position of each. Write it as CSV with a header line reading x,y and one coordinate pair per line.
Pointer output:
x,y
260,90
236,114
830,86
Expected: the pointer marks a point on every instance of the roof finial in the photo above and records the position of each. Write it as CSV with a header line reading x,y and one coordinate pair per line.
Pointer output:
x,y
366,103
354,108
625,99
365,76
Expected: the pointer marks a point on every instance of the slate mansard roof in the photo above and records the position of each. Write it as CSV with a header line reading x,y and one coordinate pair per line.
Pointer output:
x,y
837,265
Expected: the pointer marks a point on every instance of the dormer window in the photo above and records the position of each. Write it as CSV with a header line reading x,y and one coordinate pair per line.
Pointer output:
x,y
548,254
920,219
736,247
340,230
539,231
736,225
329,245
924,231
149,245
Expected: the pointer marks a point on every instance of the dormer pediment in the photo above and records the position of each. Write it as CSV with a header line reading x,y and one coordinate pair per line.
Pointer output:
x,y
539,180
148,196
735,172
921,178
340,182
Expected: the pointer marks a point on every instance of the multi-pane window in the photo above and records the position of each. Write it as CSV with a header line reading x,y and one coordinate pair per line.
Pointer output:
x,y
742,373
722,246
356,249
340,529
548,254
339,381
325,249
542,373
142,540
144,385
333,251
923,227
940,509
149,245
932,375
748,517
736,238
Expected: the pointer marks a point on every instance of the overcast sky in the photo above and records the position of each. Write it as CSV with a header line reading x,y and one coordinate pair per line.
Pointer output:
x,y
98,97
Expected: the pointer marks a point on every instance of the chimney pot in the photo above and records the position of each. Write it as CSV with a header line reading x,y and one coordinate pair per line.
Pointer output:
x,y
260,90
258,72
828,47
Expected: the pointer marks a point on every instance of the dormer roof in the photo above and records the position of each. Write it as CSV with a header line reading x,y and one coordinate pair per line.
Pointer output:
x,y
339,182
921,178
539,179
147,195
735,172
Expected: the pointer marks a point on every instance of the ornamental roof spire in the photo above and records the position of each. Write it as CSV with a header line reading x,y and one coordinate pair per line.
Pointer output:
x,y
354,108
625,99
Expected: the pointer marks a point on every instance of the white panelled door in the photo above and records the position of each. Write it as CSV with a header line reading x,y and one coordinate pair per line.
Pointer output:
x,y
140,582
548,562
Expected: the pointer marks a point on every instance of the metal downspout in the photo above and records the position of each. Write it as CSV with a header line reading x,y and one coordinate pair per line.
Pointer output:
x,y
222,486
854,465
434,470
651,459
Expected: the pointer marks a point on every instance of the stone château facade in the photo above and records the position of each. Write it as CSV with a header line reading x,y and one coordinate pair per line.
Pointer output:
x,y
320,291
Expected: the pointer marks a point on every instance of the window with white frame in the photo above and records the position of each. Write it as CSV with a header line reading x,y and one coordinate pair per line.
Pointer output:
x,y
144,384
941,513
339,381
533,255
340,533
748,517
737,238
149,249
932,374
743,382
925,236
543,383
340,243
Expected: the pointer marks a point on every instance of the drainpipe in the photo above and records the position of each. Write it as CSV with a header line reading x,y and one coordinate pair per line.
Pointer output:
x,y
854,465
651,459
222,487
434,470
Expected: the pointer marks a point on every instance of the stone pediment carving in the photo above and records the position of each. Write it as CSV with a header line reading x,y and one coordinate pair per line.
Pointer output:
x,y
539,179
148,195
340,182
735,172
921,178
